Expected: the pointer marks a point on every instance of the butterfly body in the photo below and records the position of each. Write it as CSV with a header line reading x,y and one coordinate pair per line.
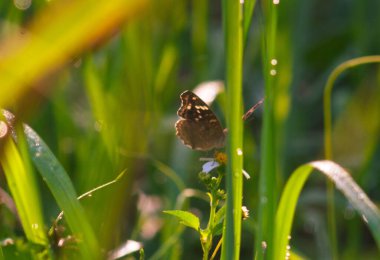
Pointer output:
x,y
198,127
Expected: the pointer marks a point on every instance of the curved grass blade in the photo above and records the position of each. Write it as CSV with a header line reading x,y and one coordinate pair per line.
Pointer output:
x,y
343,181
64,193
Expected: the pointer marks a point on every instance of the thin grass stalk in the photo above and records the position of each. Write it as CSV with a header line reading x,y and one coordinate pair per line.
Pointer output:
x,y
327,96
233,38
328,139
267,182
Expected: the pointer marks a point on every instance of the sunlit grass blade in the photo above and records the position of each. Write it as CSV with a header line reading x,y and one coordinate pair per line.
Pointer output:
x,y
64,193
343,181
233,39
46,48
24,190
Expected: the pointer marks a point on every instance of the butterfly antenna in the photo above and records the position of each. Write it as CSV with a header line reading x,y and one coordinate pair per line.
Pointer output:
x,y
252,109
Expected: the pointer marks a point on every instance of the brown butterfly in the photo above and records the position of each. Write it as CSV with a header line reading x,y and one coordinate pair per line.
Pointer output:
x,y
198,127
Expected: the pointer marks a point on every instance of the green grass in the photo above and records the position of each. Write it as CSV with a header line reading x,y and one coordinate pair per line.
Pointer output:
x,y
97,85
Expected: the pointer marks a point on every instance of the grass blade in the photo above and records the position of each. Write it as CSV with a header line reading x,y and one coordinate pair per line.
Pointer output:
x,y
233,30
343,181
267,181
248,13
328,130
64,193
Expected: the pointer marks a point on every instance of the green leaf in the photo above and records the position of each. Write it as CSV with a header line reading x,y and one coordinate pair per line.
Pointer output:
x,y
186,218
343,181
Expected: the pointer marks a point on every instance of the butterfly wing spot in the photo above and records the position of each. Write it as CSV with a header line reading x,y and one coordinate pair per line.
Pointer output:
x,y
188,107
202,107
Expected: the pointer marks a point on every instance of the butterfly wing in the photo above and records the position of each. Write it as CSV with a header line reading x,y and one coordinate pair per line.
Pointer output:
x,y
198,127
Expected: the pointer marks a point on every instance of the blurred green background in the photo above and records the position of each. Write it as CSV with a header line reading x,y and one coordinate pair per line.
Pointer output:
x,y
112,107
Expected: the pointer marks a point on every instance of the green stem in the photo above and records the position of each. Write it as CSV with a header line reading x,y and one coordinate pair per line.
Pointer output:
x,y
207,234
267,181
233,39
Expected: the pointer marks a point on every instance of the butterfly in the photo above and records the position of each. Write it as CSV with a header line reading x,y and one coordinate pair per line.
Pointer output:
x,y
198,127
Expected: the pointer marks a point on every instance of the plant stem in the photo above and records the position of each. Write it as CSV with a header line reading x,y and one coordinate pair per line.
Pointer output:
x,y
207,234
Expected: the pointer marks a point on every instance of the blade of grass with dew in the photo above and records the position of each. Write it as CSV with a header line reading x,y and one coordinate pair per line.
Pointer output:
x,y
343,181
267,180
55,37
233,39
328,139
24,189
64,193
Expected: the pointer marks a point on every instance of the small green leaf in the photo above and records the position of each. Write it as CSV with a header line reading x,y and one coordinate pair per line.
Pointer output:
x,y
186,218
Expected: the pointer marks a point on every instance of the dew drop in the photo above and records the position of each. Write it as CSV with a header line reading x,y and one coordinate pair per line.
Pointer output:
x,y
273,62
273,72
239,151
264,245
276,2
35,226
